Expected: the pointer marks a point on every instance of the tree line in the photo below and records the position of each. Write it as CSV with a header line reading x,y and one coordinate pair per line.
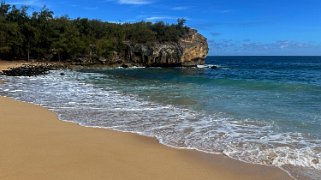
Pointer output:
x,y
40,35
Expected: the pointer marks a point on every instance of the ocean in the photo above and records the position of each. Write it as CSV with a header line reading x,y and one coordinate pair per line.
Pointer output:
x,y
261,110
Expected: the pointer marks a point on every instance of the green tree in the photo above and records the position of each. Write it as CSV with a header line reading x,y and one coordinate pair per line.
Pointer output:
x,y
4,9
181,23
106,47
30,34
43,22
41,36
67,41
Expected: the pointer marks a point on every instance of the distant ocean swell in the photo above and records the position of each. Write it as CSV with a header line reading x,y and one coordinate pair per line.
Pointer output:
x,y
102,100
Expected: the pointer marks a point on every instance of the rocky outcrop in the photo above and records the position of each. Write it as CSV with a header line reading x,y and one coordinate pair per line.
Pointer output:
x,y
191,50
195,49
30,70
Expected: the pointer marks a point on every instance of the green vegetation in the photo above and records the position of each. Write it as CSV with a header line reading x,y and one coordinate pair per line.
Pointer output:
x,y
40,35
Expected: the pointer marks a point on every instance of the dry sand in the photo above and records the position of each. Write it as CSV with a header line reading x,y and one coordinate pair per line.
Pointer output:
x,y
11,64
35,145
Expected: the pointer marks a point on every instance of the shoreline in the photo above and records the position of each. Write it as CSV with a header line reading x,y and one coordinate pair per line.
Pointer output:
x,y
138,156
191,164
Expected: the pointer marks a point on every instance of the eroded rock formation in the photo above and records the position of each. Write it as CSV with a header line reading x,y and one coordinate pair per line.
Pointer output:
x,y
191,50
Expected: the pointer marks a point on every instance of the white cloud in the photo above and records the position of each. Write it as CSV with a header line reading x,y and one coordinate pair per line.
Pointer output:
x,y
156,18
222,11
179,8
159,18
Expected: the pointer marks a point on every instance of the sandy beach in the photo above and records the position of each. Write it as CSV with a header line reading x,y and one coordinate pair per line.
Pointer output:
x,y
36,145
4,65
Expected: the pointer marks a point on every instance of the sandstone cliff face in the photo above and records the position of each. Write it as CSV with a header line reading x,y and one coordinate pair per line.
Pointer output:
x,y
191,50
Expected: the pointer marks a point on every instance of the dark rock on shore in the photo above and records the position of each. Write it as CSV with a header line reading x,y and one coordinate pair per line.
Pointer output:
x,y
214,67
124,66
29,70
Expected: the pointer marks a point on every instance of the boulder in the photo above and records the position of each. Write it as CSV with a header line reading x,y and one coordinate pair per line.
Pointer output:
x,y
214,67
28,70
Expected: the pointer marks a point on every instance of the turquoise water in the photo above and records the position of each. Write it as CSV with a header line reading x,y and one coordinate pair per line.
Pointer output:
x,y
263,110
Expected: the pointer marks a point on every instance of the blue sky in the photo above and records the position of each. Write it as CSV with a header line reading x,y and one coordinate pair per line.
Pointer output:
x,y
232,27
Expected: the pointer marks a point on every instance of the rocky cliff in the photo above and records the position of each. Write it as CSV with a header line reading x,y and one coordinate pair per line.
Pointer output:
x,y
190,50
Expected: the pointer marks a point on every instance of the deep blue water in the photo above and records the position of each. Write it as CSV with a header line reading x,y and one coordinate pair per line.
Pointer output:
x,y
264,110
